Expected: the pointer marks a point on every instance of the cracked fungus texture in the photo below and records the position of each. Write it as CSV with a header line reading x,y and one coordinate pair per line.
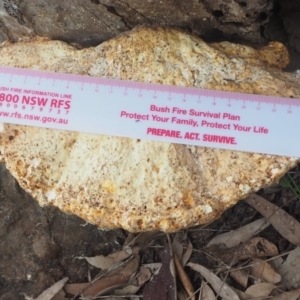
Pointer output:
x,y
135,184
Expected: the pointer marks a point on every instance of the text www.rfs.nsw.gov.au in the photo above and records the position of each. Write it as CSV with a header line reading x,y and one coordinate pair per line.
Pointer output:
x,y
17,115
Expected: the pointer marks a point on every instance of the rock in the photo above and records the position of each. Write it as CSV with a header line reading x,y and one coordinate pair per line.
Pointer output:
x,y
12,25
76,21
274,30
290,14
87,23
284,23
241,18
144,185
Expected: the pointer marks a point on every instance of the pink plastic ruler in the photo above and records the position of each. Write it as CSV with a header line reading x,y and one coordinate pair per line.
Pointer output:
x,y
182,115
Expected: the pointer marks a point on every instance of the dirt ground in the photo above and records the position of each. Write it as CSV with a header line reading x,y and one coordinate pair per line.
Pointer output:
x,y
39,245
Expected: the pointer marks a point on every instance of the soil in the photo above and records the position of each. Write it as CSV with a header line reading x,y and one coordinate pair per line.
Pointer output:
x,y
39,245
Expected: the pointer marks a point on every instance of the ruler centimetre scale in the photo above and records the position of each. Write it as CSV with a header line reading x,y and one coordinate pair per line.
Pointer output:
x,y
191,116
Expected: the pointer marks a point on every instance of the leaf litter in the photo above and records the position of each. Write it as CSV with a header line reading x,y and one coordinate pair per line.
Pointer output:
x,y
241,276
240,235
290,270
261,270
241,263
284,223
206,293
219,286
259,290
163,285
49,293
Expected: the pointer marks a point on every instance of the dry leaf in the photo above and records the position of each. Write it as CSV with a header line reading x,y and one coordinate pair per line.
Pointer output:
x,y
127,290
163,285
113,278
154,267
292,295
177,244
127,269
182,295
93,288
285,224
105,262
260,290
240,235
240,276
136,283
290,270
49,293
275,262
187,254
184,279
130,237
256,247
220,287
206,293
131,246
142,240
260,269
143,276
60,296
241,294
